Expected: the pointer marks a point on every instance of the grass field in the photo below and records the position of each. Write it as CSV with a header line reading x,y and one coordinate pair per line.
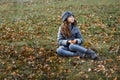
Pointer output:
x,y
28,40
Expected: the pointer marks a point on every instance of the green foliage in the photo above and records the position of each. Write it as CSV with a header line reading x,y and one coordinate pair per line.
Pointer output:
x,y
28,40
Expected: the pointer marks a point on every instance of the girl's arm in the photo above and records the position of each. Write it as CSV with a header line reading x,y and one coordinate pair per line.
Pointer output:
x,y
79,37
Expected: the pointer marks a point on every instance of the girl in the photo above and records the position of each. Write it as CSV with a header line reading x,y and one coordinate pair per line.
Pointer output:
x,y
70,39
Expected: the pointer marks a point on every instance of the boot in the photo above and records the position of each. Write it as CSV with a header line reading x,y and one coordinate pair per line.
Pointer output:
x,y
82,55
92,54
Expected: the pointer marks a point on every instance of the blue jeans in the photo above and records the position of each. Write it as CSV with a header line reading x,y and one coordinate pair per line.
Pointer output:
x,y
72,50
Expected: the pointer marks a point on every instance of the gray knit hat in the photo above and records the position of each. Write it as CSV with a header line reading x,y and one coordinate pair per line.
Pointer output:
x,y
66,14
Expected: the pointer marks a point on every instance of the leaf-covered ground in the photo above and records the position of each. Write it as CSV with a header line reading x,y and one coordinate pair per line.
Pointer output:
x,y
28,33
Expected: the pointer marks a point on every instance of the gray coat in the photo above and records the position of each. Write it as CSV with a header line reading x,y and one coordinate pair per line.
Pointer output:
x,y
76,34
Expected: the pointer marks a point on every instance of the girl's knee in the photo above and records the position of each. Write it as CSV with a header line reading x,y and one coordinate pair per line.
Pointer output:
x,y
75,47
59,50
72,46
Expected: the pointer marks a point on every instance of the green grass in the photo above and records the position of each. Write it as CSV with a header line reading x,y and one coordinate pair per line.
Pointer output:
x,y
28,40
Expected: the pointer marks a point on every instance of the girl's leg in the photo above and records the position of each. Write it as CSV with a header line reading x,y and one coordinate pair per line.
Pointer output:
x,y
79,49
64,51
91,53
81,55
75,47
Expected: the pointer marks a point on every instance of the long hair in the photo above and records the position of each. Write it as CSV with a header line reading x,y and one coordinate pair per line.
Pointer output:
x,y
65,28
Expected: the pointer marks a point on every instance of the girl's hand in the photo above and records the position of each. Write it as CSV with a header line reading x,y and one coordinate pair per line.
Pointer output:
x,y
72,41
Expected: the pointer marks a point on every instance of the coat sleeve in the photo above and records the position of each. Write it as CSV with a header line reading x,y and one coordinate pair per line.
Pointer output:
x,y
62,41
79,37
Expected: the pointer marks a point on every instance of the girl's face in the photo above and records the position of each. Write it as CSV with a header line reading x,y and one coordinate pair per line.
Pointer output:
x,y
70,19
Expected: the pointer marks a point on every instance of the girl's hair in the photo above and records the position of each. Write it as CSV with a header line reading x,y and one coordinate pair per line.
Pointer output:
x,y
65,28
